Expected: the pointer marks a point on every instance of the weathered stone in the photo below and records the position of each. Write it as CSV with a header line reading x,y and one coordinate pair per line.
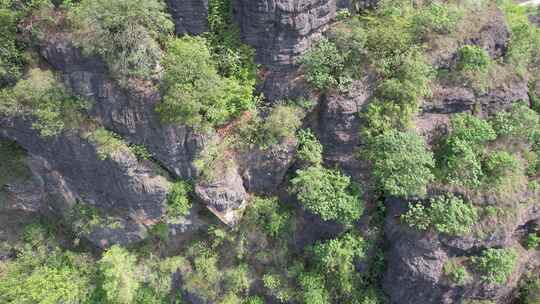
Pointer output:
x,y
190,16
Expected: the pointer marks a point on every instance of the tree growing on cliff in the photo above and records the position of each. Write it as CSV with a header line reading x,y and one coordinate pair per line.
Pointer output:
x,y
327,193
120,278
402,163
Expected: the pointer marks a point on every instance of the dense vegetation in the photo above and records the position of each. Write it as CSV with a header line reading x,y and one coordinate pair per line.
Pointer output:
x,y
461,183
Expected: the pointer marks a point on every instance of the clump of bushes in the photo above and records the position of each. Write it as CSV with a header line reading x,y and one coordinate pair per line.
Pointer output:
x,y
323,65
447,214
309,148
108,144
194,93
42,97
126,33
496,265
268,214
402,163
456,272
327,193
178,200
473,58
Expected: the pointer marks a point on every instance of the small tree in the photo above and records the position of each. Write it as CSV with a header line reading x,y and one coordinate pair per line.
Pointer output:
x,y
401,163
323,64
327,193
120,277
473,58
496,265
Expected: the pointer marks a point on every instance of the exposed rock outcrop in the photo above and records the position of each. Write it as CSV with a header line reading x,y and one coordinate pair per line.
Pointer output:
x,y
127,112
190,16
416,260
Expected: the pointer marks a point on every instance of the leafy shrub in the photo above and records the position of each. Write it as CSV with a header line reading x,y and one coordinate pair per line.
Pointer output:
x,y
473,58
456,272
530,292
13,167
125,32
448,214
195,94
501,166
11,58
533,240
43,97
276,287
108,144
323,65
140,151
178,201
46,276
519,123
309,148
120,278
269,215
327,193
436,18
313,289
281,123
401,163
335,258
496,265
417,217
460,155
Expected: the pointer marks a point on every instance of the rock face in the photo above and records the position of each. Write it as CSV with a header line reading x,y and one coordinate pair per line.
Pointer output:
x,y
281,31
129,113
190,16
71,171
416,260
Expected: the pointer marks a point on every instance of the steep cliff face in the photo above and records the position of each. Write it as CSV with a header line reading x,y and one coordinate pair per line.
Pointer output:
x,y
73,172
190,16
416,259
128,112
281,31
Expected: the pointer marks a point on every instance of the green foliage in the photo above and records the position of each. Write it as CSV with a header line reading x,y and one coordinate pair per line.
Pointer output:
x,y
120,277
108,144
473,58
327,193
178,200
40,95
126,33
524,46
281,123
313,289
456,273
519,123
276,287
500,166
460,155
140,151
233,58
436,18
13,167
323,65
401,163
269,215
11,57
530,292
44,276
496,265
335,258
447,214
195,94
533,240
309,148
417,217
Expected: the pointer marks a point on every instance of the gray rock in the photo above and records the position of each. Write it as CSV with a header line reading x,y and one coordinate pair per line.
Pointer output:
x,y
415,261
224,195
190,16
128,112
263,171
